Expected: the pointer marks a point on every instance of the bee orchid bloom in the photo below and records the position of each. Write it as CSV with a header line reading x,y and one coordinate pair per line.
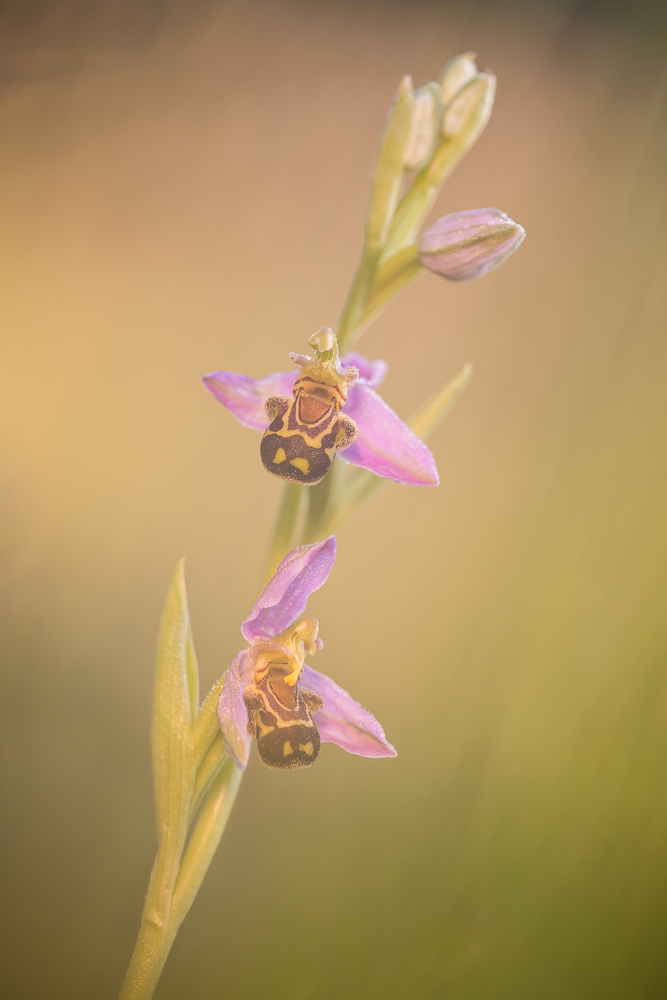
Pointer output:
x,y
270,695
329,405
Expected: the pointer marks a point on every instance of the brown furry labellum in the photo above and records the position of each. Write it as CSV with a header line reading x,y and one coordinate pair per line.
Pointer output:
x,y
307,428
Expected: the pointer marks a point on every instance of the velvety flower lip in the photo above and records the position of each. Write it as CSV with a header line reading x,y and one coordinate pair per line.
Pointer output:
x,y
274,633
385,445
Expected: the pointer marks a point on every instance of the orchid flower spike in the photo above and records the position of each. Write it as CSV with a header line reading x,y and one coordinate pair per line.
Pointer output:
x,y
269,693
333,406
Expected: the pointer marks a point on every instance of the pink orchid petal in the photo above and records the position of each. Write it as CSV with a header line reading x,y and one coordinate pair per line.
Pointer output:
x,y
372,372
385,445
343,721
231,710
245,396
301,572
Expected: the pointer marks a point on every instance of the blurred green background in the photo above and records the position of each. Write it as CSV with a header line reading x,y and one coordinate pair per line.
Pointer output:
x,y
182,189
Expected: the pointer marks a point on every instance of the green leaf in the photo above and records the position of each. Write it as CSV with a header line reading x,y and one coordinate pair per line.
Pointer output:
x,y
192,675
207,727
172,736
429,415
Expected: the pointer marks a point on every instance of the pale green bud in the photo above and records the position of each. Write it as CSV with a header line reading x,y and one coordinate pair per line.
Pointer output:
x,y
424,127
469,111
456,74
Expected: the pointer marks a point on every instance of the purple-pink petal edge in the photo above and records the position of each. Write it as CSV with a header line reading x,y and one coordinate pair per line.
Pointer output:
x,y
232,712
345,722
283,601
385,444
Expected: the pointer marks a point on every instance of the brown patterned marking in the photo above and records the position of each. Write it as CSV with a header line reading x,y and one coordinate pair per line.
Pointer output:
x,y
287,737
294,446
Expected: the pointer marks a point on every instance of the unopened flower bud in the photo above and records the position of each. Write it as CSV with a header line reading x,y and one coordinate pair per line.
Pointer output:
x,y
456,74
465,245
470,109
424,128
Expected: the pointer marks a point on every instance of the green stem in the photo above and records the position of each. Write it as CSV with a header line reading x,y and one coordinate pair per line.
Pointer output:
x,y
419,198
355,306
322,499
151,950
285,530
390,277
170,895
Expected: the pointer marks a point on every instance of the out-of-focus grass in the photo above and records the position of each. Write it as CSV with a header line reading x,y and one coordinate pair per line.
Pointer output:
x,y
190,197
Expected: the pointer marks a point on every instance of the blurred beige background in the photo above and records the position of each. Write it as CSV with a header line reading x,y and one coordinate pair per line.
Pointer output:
x,y
182,189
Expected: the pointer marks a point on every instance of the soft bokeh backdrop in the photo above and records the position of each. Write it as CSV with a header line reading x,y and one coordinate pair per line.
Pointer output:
x,y
182,189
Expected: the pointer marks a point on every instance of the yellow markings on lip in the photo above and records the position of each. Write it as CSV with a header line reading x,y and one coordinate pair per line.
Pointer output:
x,y
287,748
302,464
280,456
263,729
306,748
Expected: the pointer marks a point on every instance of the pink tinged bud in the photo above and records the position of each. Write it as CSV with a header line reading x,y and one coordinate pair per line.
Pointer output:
x,y
465,245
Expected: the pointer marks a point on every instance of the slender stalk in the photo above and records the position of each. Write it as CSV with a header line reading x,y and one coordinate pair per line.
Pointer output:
x,y
286,524
419,197
355,306
390,277
151,949
160,924
322,499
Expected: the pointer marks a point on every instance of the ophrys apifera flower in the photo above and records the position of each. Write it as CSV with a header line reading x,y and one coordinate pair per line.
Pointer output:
x,y
270,694
329,406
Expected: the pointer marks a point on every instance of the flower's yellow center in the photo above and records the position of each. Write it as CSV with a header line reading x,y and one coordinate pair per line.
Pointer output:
x,y
286,667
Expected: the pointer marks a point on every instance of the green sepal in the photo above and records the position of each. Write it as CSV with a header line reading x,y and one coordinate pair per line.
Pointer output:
x,y
390,166
208,772
172,733
415,204
393,274
206,726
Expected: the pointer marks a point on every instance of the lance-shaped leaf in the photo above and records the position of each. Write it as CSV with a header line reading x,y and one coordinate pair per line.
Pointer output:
x,y
172,736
